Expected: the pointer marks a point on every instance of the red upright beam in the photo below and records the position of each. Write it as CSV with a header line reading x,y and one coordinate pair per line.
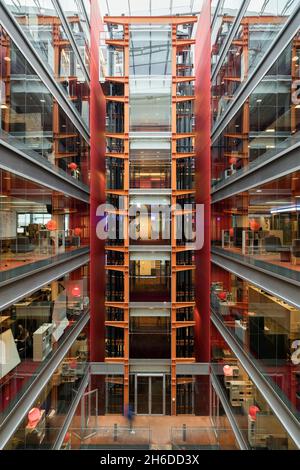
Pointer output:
x,y
203,181
97,189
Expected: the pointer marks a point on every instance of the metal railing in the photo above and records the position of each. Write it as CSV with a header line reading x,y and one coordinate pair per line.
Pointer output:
x,y
206,438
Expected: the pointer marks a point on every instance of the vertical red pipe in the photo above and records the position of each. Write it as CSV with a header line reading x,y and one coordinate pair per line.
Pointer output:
x,y
203,180
97,190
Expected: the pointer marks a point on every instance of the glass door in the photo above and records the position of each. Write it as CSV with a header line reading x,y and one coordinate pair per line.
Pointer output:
x,y
157,395
142,395
89,414
150,394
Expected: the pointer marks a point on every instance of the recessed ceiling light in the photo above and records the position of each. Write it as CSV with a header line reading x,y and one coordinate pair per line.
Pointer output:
x,y
258,101
7,59
43,101
295,58
270,130
259,190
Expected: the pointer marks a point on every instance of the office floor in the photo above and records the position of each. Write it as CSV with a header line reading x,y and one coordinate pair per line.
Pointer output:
x,y
161,430
15,260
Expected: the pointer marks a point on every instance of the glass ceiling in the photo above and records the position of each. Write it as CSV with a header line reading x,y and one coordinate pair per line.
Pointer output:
x,y
149,7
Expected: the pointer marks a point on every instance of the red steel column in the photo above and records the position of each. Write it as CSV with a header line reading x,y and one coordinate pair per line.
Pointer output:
x,y
203,181
97,189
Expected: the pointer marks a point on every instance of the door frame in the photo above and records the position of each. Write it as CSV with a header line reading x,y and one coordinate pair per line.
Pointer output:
x,y
150,375
86,405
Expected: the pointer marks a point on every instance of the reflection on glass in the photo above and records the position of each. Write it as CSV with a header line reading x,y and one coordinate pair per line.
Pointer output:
x,y
262,225
267,123
267,327
222,26
42,424
254,37
150,279
33,122
36,224
42,26
150,163
150,50
114,342
150,104
33,328
257,422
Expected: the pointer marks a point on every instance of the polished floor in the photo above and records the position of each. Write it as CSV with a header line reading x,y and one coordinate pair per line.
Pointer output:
x,y
10,261
155,432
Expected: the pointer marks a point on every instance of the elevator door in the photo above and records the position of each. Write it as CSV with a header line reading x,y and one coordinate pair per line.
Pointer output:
x,y
150,394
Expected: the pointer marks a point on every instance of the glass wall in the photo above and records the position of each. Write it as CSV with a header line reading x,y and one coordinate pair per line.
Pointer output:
x,y
158,327
42,424
37,224
33,329
150,163
256,420
146,115
150,277
114,286
150,220
223,25
33,122
87,6
114,342
115,61
150,50
185,121
267,327
257,30
262,225
267,123
74,12
42,26
114,117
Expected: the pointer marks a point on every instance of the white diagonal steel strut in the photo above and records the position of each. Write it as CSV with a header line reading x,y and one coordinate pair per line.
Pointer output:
x,y
286,7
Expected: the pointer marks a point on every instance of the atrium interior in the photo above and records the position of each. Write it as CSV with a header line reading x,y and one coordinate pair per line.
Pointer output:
x,y
149,224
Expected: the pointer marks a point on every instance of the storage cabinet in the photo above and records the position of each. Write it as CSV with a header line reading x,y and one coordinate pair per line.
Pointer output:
x,y
42,342
240,390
